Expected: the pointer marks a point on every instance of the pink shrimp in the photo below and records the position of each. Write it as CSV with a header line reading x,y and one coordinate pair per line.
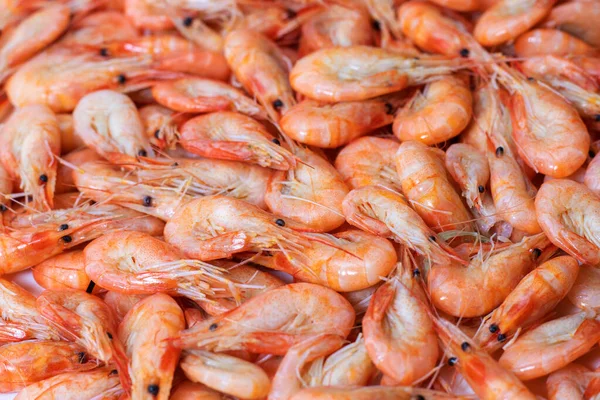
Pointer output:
x,y
551,41
64,271
568,383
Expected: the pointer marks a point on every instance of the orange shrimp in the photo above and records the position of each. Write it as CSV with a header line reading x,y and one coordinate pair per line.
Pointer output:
x,y
551,41
29,142
460,5
121,303
69,140
153,359
199,95
507,19
576,18
568,213
537,294
486,282
28,362
311,193
568,383
360,72
64,271
592,175
584,293
233,136
161,125
426,185
333,125
108,122
99,28
262,69
65,182
563,340
187,390
145,14
6,188
370,392
488,379
438,113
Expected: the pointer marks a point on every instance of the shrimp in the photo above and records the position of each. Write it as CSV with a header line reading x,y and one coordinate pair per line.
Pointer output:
x,y
564,340
288,379
262,69
369,161
584,293
334,125
398,331
65,182
32,35
226,374
536,295
216,227
99,28
108,122
370,392
25,363
488,379
274,321
153,359
539,42
136,263
187,390
29,142
20,319
345,261
161,125
569,213
200,95
150,15
460,5
568,383
507,19
6,188
591,178
69,140
360,299
359,73
121,303
438,113
64,271
99,383
486,282
383,212
233,136
576,18
312,193
426,185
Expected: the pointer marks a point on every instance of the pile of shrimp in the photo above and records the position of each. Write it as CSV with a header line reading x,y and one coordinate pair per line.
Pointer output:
x,y
300,199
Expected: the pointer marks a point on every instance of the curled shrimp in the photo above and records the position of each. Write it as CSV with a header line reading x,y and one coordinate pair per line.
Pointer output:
x,y
161,125
28,362
108,122
262,69
29,142
99,28
568,213
302,310
64,271
568,383
103,382
488,379
136,263
576,18
507,19
486,282
370,392
359,72
592,175
143,332
584,293
438,113
311,193
426,185
334,125
539,42
121,303
538,293
226,373
564,340
200,95
145,14
210,228
233,136
369,161
187,390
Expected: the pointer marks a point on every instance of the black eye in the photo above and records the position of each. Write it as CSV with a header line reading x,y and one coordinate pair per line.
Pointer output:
x,y
290,13
597,117
147,201
63,227
432,238
110,336
465,346
3,208
104,52
376,25
142,153
280,222
43,179
276,141
452,361
500,151
157,133
114,372
67,239
153,389
212,327
416,273
464,53
591,153
90,287
481,189
536,253
501,337
277,104
530,79
187,21
494,328
121,79
82,357
389,108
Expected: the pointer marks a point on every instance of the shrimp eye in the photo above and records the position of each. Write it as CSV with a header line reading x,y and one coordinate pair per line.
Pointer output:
x,y
481,189
452,361
494,328
277,104
597,117
109,335
213,327
157,133
147,201
389,109
187,21
376,25
82,357
175,164
280,222
90,287
153,389
43,179
432,238
499,151
464,53
63,227
142,153
276,141
592,154
121,79
416,273
536,253
501,337
530,79
419,397
289,13
67,239
104,52
114,372
465,346
3,208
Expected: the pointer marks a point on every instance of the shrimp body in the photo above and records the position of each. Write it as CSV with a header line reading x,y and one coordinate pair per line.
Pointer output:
x,y
370,392
426,185
294,313
64,173
569,213
108,122
568,383
161,125
584,293
333,125
437,114
187,390
592,175
487,281
144,331
233,136
312,193
563,340
63,271
576,18
99,28
539,42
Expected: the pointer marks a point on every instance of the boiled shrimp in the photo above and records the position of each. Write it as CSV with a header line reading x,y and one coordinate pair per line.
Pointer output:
x,y
568,383
69,140
584,293
145,14
592,175
370,392
539,42
99,28
64,173
161,125
187,390
64,271
121,303
575,17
